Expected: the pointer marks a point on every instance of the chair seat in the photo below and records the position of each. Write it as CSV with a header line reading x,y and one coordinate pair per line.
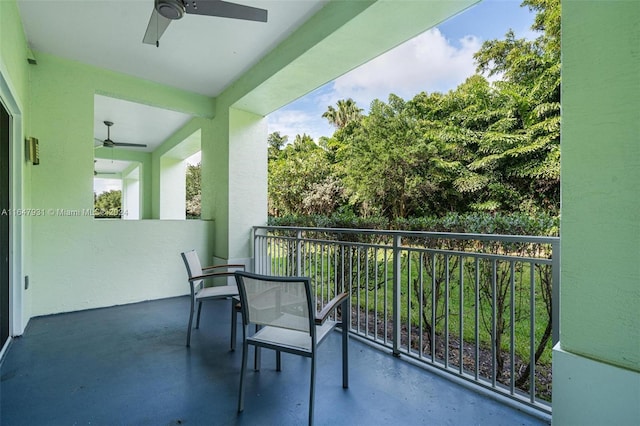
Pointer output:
x,y
217,292
298,341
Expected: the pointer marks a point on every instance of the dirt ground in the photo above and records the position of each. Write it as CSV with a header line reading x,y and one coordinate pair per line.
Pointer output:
x,y
485,359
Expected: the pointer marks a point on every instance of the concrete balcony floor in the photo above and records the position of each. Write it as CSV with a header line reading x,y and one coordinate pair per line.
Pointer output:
x,y
127,365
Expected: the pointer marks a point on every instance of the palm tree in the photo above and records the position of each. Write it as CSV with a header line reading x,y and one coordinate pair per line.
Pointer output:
x,y
346,112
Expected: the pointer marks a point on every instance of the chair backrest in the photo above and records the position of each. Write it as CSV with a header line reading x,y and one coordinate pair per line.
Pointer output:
x,y
192,263
283,302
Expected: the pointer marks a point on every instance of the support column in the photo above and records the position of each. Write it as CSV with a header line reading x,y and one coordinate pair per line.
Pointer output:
x,y
172,188
234,181
596,366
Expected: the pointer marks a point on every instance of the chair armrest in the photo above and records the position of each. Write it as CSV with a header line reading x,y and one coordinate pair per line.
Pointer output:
x,y
322,316
230,266
211,275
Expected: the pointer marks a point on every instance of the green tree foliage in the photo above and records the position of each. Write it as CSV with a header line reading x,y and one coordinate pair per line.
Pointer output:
x,y
276,142
531,85
482,147
387,162
299,178
193,191
108,204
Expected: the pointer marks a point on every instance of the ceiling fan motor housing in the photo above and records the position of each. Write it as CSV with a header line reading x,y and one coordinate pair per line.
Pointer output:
x,y
170,9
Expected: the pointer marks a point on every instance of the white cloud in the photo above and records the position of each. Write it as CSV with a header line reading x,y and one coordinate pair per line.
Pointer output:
x,y
101,185
293,121
428,62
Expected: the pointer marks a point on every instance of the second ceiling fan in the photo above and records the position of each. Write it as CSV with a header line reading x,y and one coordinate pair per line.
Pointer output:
x,y
165,11
108,143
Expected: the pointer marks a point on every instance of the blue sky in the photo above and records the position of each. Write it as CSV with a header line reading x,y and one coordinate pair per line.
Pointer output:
x,y
437,60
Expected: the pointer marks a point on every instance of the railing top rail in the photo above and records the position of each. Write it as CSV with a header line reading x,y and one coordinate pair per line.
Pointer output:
x,y
415,234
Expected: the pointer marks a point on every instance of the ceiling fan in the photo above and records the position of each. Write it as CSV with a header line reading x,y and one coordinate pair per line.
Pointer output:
x,y
108,143
96,173
165,11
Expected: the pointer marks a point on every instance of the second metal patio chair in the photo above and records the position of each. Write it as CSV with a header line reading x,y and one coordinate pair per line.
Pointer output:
x,y
197,276
284,309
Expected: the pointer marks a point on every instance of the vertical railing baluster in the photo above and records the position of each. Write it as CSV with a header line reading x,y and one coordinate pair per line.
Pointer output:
x,y
280,256
358,284
446,310
477,321
421,302
264,255
321,281
375,294
532,343
255,249
434,307
336,249
494,326
342,271
327,286
386,296
299,253
409,272
315,269
461,315
397,275
512,342
366,292
352,311
276,259
274,250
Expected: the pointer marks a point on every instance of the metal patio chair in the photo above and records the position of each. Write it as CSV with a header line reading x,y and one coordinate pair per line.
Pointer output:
x,y
197,276
284,309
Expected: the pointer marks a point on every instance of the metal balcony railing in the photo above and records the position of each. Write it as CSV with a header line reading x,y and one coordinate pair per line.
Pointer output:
x,y
480,307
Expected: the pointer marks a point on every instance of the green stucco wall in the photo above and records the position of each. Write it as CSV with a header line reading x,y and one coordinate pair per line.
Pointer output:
x,y
14,71
600,228
13,52
79,262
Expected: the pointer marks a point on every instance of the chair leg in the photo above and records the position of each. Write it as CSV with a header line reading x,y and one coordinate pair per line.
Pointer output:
x,y
243,368
312,388
345,354
199,310
278,361
257,360
190,322
234,322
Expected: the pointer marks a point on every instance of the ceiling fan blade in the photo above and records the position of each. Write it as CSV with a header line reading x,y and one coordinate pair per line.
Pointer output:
x,y
136,145
157,25
97,142
225,9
